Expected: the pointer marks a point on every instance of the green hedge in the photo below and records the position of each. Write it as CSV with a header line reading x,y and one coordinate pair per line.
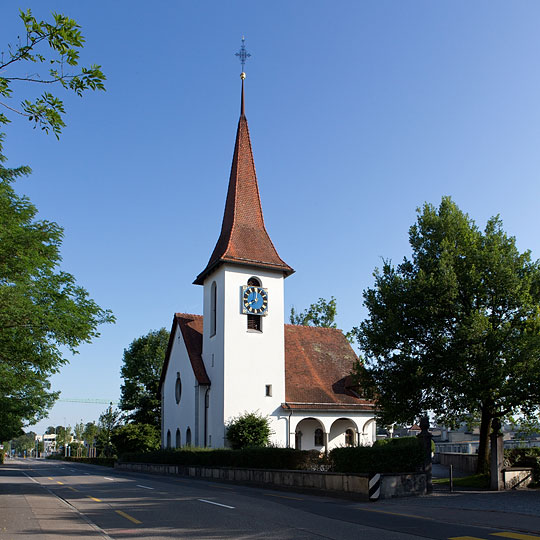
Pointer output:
x,y
525,457
250,458
103,461
2,456
385,456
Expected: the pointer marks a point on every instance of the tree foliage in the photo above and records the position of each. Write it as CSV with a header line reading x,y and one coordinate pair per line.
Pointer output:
x,y
24,443
141,371
108,422
248,429
54,47
136,438
456,328
321,313
43,312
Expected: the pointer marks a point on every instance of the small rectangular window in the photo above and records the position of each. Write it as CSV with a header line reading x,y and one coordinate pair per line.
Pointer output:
x,y
268,390
254,323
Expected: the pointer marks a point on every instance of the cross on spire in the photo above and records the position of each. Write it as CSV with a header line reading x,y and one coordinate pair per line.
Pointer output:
x,y
242,54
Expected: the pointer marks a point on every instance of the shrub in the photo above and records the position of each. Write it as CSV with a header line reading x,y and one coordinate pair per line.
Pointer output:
x,y
136,438
385,456
102,461
248,429
2,456
250,458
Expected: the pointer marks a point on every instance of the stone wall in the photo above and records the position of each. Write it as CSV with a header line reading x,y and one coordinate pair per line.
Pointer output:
x,y
355,485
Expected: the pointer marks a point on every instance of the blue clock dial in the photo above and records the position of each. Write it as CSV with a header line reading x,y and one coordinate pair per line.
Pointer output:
x,y
254,300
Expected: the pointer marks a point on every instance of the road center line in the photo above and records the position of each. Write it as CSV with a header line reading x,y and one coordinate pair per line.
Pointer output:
x,y
93,498
61,483
217,504
127,516
145,487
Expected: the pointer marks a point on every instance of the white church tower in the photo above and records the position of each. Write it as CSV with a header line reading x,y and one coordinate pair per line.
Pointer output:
x,y
243,311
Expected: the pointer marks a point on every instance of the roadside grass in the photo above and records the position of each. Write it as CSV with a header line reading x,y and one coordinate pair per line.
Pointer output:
x,y
477,481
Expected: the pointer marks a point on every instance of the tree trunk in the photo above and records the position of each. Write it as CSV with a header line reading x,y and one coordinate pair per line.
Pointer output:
x,y
483,448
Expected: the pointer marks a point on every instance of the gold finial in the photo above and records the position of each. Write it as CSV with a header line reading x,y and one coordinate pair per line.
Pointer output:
x,y
242,75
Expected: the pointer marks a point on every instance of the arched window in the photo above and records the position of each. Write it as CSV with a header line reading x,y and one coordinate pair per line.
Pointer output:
x,y
319,437
178,388
213,303
178,438
168,438
188,437
254,322
349,437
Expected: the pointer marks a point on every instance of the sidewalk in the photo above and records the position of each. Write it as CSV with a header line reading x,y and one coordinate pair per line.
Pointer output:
x,y
517,510
27,510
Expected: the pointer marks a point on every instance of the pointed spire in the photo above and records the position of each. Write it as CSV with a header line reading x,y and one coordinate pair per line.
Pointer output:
x,y
243,239
242,107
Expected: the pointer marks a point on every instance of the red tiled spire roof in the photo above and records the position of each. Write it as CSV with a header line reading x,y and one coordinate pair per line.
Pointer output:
x,y
243,238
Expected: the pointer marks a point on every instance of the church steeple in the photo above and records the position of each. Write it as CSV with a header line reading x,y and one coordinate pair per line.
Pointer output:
x,y
243,239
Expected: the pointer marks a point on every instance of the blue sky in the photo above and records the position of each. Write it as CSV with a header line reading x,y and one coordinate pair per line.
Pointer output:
x,y
359,112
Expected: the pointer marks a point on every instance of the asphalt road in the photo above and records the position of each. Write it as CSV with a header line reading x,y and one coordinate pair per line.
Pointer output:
x,y
51,500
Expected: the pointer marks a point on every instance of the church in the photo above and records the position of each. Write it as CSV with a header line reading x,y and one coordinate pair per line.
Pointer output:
x,y
240,356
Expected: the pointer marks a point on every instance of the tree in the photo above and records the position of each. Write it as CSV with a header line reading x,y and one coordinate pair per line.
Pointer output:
x,y
322,313
90,433
24,443
42,310
248,429
136,438
78,431
456,328
108,421
53,44
141,371
63,436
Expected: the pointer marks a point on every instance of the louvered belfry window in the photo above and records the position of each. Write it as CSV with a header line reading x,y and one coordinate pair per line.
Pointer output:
x,y
254,322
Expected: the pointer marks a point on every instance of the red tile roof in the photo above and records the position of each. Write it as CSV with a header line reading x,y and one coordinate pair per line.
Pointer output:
x,y
318,362
191,327
243,239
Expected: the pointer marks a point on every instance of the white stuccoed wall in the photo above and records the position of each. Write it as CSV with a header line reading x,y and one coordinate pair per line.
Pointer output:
x,y
180,415
244,361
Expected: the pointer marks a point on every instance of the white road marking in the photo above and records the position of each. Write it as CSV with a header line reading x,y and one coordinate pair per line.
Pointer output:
x,y
145,487
87,473
33,479
217,504
107,478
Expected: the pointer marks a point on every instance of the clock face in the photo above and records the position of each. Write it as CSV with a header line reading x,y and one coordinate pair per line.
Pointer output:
x,y
254,300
